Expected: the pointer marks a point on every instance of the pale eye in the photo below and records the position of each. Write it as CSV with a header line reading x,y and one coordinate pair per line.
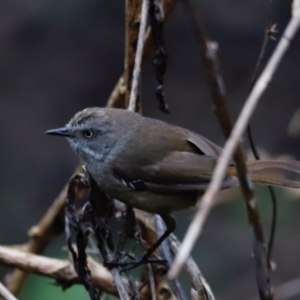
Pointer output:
x,y
88,133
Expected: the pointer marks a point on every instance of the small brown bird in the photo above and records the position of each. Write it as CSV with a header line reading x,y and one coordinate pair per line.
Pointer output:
x,y
155,166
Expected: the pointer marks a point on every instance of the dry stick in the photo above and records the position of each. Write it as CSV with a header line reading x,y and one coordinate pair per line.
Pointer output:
x,y
4,292
198,281
138,58
60,270
269,34
129,223
216,83
287,290
118,94
151,282
118,281
99,211
166,254
206,202
148,232
132,21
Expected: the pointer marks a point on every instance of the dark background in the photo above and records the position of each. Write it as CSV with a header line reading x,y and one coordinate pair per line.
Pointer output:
x,y
58,57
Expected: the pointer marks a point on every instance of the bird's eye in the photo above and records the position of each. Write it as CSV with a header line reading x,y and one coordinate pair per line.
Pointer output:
x,y
88,134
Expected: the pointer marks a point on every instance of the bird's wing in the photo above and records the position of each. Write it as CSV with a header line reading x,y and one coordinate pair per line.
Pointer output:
x,y
179,171
201,144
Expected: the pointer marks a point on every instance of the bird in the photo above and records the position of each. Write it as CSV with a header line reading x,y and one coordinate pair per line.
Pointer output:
x,y
155,166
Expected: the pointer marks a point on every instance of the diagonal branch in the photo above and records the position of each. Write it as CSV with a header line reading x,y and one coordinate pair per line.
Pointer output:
x,y
217,86
201,288
206,202
4,292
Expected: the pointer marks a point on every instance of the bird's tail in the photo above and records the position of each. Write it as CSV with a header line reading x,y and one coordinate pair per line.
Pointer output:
x,y
273,172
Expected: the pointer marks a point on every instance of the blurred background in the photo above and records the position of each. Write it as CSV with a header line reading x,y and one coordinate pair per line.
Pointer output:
x,y
58,57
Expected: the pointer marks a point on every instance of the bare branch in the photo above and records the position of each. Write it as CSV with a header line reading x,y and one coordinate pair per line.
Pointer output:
x,y
287,290
61,270
200,286
132,22
164,289
4,292
138,57
206,202
117,97
214,78
166,254
270,31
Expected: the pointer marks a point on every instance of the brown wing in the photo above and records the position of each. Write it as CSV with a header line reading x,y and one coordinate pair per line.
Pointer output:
x,y
188,165
203,145
179,171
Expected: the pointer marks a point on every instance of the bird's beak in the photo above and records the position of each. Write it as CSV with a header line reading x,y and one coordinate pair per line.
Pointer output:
x,y
59,131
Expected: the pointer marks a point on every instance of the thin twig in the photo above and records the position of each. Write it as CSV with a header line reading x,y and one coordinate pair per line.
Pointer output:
x,y
206,202
102,207
151,282
138,58
159,61
132,21
273,228
164,290
217,86
117,96
164,247
4,292
269,34
166,254
287,290
129,223
198,281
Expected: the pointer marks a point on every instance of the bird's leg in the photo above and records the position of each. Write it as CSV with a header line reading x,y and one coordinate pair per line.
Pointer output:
x,y
171,225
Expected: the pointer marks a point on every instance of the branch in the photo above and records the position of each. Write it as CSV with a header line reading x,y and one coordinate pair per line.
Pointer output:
x,y
163,289
159,61
217,87
206,202
270,31
4,292
132,22
138,58
201,289
117,97
287,290
166,254
60,270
